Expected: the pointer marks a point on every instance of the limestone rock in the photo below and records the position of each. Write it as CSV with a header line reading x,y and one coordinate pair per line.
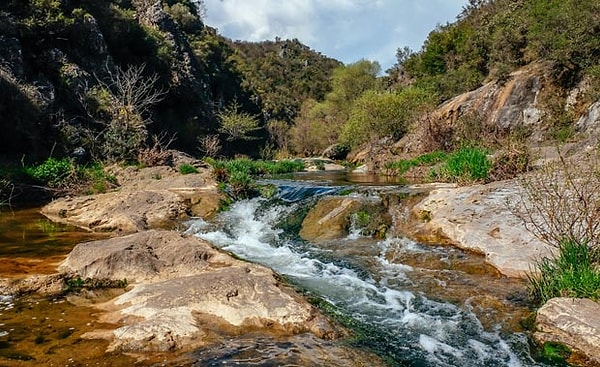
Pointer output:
x,y
155,197
331,218
477,218
573,322
182,286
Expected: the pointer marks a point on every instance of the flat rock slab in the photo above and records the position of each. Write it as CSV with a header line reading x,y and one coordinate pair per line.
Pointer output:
x,y
155,197
573,322
477,218
179,281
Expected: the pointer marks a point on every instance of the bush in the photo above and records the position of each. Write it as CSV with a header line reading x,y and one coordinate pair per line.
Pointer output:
x,y
560,205
53,172
570,273
376,115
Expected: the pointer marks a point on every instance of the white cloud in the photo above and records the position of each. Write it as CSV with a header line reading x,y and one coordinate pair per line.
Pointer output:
x,y
347,30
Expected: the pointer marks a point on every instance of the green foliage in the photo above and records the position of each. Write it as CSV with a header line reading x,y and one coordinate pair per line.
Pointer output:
x,y
242,185
186,169
236,124
493,38
555,352
467,164
572,272
53,172
319,123
238,174
283,74
95,178
379,114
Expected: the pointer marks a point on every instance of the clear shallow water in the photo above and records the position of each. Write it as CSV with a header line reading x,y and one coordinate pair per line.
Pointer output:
x,y
397,308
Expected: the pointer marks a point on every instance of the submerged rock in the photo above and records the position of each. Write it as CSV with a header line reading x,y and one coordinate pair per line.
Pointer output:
x,y
575,323
182,287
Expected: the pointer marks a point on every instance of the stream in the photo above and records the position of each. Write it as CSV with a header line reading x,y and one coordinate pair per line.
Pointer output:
x,y
409,303
414,305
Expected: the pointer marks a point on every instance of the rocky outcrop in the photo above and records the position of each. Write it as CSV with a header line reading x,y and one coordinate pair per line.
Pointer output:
x,y
477,218
182,286
154,197
333,217
572,322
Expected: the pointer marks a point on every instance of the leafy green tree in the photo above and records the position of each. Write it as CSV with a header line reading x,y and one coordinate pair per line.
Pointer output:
x,y
236,124
380,114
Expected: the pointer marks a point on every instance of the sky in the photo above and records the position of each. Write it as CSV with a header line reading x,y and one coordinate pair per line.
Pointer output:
x,y
347,30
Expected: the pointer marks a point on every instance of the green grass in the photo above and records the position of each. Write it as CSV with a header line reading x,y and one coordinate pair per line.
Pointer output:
x,y
402,166
238,174
467,164
572,272
186,169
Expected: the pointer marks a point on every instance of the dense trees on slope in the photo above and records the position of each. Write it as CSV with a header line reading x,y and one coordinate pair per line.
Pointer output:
x,y
59,60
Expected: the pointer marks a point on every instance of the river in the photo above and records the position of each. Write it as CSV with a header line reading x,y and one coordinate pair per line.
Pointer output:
x,y
411,304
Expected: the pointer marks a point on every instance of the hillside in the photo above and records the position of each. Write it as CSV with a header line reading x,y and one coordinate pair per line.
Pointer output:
x,y
107,79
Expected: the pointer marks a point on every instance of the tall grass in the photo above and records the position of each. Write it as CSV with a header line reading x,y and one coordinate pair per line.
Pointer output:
x,y
570,273
467,164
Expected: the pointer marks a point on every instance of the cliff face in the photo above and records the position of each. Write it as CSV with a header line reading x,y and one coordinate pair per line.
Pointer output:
x,y
53,56
527,105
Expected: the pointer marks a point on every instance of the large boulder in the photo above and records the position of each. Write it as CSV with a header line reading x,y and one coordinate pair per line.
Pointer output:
x,y
573,322
154,197
477,218
334,216
182,287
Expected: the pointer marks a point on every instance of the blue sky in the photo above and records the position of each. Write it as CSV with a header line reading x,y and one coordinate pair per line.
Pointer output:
x,y
348,30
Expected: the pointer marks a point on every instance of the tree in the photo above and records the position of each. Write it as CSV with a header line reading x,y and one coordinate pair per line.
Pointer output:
x,y
237,125
380,114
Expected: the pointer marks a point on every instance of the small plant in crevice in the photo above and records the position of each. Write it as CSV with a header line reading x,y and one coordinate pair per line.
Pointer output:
x,y
186,169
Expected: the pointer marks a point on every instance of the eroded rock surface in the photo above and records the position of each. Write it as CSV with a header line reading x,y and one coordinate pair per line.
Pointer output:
x,y
331,217
573,322
477,218
155,197
181,282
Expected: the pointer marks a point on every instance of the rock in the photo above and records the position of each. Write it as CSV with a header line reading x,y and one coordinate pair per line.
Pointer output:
x,y
331,217
182,285
336,151
573,322
154,197
589,122
477,218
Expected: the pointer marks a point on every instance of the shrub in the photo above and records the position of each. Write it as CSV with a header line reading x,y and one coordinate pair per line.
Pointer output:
x,y
186,169
53,172
241,185
376,115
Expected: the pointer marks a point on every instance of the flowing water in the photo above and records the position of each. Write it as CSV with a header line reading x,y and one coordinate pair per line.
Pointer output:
x,y
412,304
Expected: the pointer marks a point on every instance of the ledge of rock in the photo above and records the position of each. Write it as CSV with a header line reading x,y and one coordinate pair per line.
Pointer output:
x,y
154,197
182,285
573,322
476,218
331,217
